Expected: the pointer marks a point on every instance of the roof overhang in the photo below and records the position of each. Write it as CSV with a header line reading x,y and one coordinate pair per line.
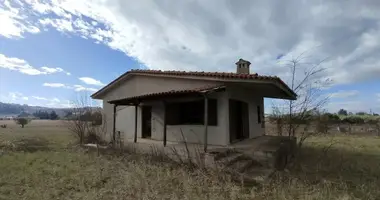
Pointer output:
x,y
226,78
135,100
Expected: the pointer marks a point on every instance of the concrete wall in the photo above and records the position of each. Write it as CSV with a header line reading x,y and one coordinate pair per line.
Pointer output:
x,y
217,135
138,85
253,98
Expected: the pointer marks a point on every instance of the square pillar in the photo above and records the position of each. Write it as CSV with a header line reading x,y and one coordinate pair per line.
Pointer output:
x,y
205,122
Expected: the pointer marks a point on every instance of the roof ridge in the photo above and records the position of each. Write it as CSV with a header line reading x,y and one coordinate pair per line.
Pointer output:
x,y
202,74
196,72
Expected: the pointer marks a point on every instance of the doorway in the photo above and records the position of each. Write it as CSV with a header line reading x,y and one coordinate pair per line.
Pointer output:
x,y
239,120
146,121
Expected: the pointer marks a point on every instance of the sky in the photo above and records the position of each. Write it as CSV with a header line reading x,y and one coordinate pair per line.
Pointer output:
x,y
52,50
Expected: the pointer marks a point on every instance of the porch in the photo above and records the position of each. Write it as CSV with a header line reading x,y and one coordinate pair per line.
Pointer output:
x,y
154,110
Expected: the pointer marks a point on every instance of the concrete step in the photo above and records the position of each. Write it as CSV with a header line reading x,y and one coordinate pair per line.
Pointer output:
x,y
228,160
249,164
219,154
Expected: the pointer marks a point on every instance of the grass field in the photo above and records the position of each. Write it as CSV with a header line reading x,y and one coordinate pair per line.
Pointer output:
x,y
41,161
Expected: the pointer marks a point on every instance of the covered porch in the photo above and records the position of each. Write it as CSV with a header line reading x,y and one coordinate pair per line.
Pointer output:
x,y
164,99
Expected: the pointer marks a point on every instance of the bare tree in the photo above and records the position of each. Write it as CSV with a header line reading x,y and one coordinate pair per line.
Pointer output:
x,y
307,81
84,120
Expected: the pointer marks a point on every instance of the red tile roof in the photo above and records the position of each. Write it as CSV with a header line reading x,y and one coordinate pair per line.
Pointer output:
x,y
170,93
203,74
217,75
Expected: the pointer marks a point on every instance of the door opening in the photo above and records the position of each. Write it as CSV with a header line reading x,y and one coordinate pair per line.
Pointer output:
x,y
146,121
239,120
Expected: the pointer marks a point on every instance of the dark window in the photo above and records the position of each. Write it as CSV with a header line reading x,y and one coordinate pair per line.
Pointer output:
x,y
191,112
259,114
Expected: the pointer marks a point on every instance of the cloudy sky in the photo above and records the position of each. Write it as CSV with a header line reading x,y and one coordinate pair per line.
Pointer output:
x,y
49,50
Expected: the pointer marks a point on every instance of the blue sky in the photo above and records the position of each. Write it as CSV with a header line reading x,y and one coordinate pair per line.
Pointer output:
x,y
51,51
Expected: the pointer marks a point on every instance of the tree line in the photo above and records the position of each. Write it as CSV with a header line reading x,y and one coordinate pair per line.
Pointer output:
x,y
331,118
345,113
46,115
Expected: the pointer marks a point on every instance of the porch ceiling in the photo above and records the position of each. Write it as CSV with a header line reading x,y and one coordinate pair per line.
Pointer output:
x,y
167,95
269,90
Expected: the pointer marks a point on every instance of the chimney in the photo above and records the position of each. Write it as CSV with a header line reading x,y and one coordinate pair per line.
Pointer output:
x,y
242,66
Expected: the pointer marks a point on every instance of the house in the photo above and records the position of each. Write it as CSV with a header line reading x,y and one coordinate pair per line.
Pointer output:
x,y
170,105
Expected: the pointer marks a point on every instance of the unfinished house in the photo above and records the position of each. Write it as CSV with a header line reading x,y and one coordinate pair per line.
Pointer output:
x,y
209,108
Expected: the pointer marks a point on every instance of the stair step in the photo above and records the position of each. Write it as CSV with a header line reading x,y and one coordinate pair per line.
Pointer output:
x,y
248,165
224,153
230,159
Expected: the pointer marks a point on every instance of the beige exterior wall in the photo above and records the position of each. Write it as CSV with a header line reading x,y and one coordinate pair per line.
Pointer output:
x,y
125,123
253,98
139,85
217,135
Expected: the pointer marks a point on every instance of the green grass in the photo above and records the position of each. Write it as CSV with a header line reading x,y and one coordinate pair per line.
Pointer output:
x,y
44,163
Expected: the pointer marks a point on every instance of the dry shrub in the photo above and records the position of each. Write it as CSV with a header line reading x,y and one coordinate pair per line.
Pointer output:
x,y
25,144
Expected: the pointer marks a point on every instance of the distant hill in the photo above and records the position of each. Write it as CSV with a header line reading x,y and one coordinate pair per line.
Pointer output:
x,y
11,109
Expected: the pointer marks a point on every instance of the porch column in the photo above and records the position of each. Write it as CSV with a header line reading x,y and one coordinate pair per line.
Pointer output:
x,y
136,110
164,122
114,124
205,122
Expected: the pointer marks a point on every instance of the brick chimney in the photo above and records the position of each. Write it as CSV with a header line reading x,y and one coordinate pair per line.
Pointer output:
x,y
242,66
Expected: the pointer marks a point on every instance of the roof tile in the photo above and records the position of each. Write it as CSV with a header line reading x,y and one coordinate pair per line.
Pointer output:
x,y
221,75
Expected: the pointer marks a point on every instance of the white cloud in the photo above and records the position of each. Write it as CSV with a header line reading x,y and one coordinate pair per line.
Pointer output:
x,y
56,100
40,98
344,94
79,88
54,70
91,81
212,35
55,85
17,97
20,65
76,88
13,23
62,25
14,96
50,100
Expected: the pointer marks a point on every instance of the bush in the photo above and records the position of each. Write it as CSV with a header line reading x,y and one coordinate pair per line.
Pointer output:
x,y
22,121
342,112
96,118
353,120
53,115
92,138
361,113
323,121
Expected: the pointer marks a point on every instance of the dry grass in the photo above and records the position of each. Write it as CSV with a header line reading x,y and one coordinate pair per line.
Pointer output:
x,y
40,162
